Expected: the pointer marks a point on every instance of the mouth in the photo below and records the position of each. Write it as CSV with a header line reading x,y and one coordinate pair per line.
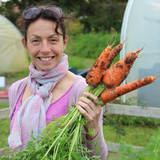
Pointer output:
x,y
45,59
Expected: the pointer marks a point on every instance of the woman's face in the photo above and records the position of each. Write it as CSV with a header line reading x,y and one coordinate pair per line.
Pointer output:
x,y
44,45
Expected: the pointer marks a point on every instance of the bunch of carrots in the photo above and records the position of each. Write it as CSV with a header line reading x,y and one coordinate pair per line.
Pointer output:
x,y
112,77
62,138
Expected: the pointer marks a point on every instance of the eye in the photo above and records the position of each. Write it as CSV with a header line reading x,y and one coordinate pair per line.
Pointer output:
x,y
35,41
53,40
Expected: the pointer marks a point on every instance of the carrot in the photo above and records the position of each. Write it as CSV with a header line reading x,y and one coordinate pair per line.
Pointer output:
x,y
112,93
113,54
115,75
95,74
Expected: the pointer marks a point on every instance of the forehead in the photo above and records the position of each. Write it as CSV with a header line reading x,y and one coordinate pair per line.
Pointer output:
x,y
42,27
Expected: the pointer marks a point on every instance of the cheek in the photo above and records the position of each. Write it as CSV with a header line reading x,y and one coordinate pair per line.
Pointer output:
x,y
58,49
32,51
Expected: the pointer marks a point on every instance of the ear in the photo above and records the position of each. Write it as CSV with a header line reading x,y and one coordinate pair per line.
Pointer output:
x,y
24,44
65,42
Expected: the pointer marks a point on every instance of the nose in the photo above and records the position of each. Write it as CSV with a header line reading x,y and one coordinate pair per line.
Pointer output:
x,y
45,47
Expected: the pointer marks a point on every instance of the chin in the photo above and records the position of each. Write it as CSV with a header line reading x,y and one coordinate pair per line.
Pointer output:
x,y
46,68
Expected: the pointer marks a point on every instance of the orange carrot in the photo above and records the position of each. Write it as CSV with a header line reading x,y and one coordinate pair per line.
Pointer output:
x,y
115,75
95,74
113,54
112,93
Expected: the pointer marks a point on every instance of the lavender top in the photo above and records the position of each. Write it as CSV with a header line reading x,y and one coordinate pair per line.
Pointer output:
x,y
78,87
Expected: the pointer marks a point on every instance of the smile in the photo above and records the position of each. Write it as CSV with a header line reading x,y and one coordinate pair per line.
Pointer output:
x,y
46,59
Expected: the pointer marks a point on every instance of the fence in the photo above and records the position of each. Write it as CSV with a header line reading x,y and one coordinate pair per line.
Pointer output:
x,y
151,112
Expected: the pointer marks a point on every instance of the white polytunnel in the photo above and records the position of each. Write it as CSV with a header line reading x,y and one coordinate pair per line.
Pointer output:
x,y
141,28
13,57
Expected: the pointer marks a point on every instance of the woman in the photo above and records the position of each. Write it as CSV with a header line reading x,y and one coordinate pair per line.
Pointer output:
x,y
50,88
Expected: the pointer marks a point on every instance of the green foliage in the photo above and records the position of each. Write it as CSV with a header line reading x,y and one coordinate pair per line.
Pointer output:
x,y
118,123
123,120
102,15
151,151
4,132
91,45
80,63
115,122
74,27
60,140
135,136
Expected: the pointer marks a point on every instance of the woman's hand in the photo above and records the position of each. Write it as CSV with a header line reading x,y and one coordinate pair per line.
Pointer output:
x,y
91,111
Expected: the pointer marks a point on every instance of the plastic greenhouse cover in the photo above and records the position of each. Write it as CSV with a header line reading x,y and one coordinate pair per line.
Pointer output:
x,y
13,57
141,28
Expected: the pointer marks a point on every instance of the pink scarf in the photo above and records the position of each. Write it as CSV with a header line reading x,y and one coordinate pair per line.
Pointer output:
x,y
32,113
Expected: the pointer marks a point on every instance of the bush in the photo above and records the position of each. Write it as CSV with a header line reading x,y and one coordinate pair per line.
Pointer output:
x,y
74,27
123,120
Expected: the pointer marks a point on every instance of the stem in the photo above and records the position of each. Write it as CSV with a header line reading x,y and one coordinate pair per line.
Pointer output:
x,y
76,114
55,152
49,130
97,91
75,137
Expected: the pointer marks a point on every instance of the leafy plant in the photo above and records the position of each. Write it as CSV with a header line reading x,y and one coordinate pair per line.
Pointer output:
x,y
91,44
151,151
74,27
124,120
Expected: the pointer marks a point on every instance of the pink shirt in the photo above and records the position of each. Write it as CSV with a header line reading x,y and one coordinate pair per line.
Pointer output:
x,y
56,109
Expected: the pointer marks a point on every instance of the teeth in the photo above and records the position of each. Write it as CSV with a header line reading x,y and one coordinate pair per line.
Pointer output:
x,y
46,59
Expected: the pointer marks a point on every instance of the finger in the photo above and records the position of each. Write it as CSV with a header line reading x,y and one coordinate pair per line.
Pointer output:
x,y
86,104
96,108
91,96
89,102
92,111
84,112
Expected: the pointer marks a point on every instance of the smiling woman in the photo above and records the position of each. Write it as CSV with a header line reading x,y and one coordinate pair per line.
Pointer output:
x,y
45,46
50,88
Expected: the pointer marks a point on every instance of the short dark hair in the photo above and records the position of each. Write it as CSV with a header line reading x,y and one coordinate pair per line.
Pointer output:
x,y
44,14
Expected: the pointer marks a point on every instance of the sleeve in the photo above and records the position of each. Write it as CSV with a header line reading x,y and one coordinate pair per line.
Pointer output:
x,y
11,95
77,89
98,144
14,92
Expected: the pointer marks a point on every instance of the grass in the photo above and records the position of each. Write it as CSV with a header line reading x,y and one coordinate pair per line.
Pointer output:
x,y
4,132
91,45
2,105
134,135
80,63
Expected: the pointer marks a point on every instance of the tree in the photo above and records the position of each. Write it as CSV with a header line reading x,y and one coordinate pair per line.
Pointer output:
x,y
95,15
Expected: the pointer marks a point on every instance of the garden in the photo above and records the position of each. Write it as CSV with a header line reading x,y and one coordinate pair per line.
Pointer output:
x,y
127,130
88,36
